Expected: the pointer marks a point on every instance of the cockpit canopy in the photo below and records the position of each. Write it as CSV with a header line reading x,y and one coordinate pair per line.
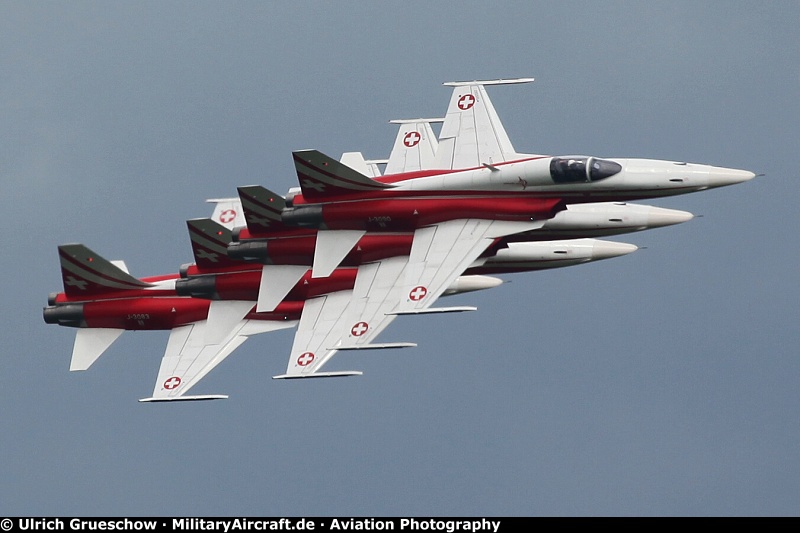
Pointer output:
x,y
577,169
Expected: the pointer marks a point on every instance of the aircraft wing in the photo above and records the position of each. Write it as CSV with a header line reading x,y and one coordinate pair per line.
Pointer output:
x,y
189,357
414,147
227,212
351,320
472,134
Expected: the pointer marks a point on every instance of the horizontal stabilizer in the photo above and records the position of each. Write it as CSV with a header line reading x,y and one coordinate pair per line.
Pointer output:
x,y
90,343
433,310
223,317
186,398
378,346
319,375
276,282
331,248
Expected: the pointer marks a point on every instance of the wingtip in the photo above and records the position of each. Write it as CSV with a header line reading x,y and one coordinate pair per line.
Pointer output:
x,y
319,375
185,398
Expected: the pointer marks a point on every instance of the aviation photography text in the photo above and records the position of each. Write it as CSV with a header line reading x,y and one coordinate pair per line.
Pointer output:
x,y
225,525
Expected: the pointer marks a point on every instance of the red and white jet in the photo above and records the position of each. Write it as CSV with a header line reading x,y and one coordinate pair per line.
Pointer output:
x,y
377,246
481,193
208,307
102,300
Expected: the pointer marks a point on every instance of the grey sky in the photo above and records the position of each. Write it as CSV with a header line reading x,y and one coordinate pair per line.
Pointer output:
x,y
660,383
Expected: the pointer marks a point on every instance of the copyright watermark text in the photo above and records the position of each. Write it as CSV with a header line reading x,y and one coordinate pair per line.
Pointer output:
x,y
77,524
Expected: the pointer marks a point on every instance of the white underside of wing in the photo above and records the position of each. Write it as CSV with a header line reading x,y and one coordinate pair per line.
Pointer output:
x,y
188,358
319,328
472,133
399,285
414,147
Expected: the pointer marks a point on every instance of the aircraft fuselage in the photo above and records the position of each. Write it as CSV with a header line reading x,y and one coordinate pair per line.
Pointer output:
x,y
571,178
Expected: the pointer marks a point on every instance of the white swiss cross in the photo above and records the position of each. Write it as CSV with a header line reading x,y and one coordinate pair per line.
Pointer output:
x,y
227,216
305,359
411,139
418,293
466,101
359,329
172,383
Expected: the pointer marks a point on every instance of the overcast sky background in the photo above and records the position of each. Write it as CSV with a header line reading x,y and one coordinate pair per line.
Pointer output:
x,y
666,382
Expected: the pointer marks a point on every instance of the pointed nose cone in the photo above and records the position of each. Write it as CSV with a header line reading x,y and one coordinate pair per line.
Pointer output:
x,y
609,249
659,217
720,177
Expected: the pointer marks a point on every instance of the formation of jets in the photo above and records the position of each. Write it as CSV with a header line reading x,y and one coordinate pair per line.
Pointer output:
x,y
351,249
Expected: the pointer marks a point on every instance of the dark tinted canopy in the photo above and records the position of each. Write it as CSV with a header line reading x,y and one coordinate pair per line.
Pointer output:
x,y
581,169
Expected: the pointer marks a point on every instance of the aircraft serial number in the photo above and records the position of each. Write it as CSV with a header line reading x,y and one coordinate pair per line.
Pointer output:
x,y
380,220
139,316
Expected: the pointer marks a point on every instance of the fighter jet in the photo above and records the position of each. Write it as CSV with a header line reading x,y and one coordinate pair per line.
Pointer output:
x,y
378,246
208,307
456,213
102,300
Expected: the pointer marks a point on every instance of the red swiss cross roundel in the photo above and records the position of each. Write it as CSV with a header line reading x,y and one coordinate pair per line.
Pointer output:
x,y
466,101
411,139
305,359
418,293
359,329
172,383
227,216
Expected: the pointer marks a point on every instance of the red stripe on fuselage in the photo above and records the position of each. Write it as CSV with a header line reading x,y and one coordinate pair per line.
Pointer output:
x,y
579,196
405,176
245,285
299,250
167,313
408,214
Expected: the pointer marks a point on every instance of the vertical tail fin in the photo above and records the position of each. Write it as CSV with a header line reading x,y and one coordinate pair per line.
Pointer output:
x,y
472,133
209,243
321,177
262,209
414,147
86,273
